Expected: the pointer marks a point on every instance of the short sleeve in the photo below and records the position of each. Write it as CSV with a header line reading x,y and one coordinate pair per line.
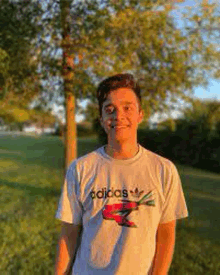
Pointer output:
x,y
69,207
174,206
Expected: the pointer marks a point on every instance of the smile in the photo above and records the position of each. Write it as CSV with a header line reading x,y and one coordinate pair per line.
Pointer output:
x,y
118,127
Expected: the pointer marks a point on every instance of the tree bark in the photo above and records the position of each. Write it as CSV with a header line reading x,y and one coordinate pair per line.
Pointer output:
x,y
68,74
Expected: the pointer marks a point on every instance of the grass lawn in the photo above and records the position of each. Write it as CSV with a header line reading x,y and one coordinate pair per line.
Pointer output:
x,y
31,176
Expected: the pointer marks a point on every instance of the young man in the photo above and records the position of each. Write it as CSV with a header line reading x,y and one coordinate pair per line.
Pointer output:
x,y
119,203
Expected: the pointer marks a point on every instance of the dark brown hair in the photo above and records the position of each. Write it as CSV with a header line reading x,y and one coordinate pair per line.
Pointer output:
x,y
115,82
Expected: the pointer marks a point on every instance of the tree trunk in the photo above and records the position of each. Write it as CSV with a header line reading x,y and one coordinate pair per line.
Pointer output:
x,y
70,133
68,74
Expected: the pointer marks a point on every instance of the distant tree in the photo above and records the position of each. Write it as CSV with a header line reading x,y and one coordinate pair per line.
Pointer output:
x,y
91,112
17,116
141,37
168,124
203,114
4,67
18,29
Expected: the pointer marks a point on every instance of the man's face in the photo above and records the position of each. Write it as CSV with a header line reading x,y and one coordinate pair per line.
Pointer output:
x,y
121,115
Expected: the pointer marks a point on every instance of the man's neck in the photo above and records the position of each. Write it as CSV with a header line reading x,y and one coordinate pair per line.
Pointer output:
x,y
122,151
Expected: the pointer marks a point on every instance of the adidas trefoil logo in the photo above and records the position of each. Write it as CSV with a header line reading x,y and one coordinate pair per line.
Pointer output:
x,y
136,193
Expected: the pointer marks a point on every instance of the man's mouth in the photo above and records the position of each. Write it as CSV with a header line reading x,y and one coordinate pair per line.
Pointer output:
x,y
118,126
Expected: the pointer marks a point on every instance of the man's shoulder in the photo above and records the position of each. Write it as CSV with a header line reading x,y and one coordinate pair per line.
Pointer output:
x,y
157,159
88,158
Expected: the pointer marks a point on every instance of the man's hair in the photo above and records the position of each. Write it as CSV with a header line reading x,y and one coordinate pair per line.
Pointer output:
x,y
116,82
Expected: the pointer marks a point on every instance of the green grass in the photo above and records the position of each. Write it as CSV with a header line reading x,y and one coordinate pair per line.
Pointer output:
x,y
31,176
198,241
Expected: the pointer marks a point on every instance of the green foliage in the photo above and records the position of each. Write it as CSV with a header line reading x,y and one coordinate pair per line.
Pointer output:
x,y
168,124
203,113
15,116
102,136
169,61
187,146
4,65
141,37
18,31
91,112
84,131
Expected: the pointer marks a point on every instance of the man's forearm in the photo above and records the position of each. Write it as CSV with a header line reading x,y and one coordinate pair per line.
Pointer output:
x,y
64,257
67,247
164,249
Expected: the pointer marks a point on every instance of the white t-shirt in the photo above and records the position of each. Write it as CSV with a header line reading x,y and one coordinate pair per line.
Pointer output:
x,y
120,204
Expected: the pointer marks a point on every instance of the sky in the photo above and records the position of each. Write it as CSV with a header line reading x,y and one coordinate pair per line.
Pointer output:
x,y
212,91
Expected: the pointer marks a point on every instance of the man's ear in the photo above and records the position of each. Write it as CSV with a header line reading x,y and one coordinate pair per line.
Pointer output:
x,y
141,116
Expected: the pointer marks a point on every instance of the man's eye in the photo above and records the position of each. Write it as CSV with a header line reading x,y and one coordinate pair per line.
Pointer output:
x,y
109,110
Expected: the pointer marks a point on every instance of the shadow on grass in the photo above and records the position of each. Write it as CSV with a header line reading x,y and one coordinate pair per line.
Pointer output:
x,y
31,190
204,219
197,245
43,151
202,182
198,241
202,194
194,255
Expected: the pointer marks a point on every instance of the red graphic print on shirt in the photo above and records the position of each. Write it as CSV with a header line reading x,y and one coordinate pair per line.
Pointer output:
x,y
120,211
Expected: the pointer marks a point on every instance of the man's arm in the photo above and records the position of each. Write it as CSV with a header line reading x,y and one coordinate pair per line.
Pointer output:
x,y
165,242
67,247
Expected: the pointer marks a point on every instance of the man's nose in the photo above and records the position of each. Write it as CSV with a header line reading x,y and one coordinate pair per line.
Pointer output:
x,y
118,114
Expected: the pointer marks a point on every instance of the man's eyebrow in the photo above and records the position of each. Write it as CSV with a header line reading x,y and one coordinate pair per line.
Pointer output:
x,y
123,102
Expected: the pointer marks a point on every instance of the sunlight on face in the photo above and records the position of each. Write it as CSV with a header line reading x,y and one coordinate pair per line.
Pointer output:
x,y
121,114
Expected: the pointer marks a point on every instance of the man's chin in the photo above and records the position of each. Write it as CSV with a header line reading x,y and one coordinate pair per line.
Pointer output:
x,y
119,138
